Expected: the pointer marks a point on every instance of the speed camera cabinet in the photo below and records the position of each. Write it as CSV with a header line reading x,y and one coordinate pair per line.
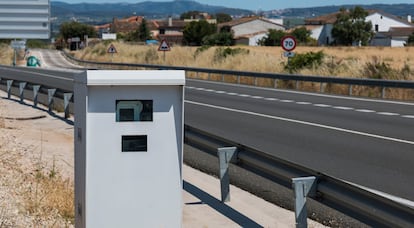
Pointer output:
x,y
128,148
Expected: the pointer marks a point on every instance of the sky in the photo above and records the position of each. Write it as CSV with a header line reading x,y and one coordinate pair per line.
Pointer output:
x,y
263,4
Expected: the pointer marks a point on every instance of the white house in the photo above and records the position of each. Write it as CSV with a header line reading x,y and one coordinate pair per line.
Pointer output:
x,y
387,28
249,30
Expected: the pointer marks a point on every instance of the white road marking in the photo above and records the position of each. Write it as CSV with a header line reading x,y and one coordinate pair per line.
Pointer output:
x,y
286,101
365,110
302,103
342,108
307,93
322,105
304,123
388,113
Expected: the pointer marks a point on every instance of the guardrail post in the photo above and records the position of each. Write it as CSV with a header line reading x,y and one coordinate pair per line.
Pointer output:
x,y
36,89
209,77
50,94
383,93
322,89
275,84
22,86
238,79
255,81
66,100
9,85
225,155
302,187
297,85
350,90
222,77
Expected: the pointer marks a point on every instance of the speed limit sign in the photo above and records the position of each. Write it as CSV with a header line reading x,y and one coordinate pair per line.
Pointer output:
x,y
288,43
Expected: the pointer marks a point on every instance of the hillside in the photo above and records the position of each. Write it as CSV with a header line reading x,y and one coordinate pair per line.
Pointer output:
x,y
106,11
401,10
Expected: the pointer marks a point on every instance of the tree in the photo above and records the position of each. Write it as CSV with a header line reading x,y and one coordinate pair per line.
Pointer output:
x,y
142,33
76,29
195,31
273,38
219,39
191,15
410,41
223,17
351,28
301,34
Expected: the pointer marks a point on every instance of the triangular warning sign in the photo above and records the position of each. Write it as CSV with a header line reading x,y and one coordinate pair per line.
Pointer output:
x,y
164,46
112,49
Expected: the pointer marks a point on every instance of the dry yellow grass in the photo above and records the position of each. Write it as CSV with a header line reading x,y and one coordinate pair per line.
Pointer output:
x,y
339,61
6,54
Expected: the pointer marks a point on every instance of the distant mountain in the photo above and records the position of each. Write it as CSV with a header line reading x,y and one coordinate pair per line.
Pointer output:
x,y
101,13
106,11
401,10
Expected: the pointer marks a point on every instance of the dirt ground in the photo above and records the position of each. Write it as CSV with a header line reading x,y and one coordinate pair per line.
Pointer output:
x,y
33,163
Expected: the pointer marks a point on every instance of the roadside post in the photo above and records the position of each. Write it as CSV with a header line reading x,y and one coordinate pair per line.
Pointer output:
x,y
17,45
164,46
288,44
112,50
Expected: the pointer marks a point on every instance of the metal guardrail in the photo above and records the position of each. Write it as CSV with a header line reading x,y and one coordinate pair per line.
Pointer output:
x,y
366,206
354,201
298,78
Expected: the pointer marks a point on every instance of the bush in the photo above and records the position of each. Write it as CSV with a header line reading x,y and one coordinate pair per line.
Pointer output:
x,y
306,60
219,39
200,50
223,53
36,44
151,55
379,70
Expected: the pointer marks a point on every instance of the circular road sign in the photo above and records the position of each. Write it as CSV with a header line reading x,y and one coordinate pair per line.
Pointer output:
x,y
288,43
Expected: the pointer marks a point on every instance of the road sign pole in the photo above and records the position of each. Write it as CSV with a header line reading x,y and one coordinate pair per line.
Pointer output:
x,y
14,57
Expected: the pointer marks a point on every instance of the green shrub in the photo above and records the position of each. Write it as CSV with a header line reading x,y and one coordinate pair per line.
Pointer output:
x,y
222,53
36,44
379,70
219,39
200,50
306,60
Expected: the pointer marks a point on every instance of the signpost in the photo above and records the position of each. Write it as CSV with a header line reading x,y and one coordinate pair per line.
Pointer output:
x,y
288,44
17,45
164,47
112,50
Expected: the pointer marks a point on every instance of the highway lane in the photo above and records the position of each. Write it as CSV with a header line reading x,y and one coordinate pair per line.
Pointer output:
x,y
54,60
368,142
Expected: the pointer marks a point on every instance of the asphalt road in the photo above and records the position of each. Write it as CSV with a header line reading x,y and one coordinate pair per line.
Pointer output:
x,y
364,141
